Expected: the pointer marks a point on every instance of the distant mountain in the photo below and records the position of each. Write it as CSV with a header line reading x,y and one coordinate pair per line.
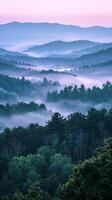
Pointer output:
x,y
61,47
97,48
94,49
102,56
95,54
105,64
10,55
9,62
12,70
33,33
4,52
13,58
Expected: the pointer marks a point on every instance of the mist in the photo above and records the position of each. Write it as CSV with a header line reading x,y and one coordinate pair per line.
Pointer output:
x,y
49,55
67,107
25,120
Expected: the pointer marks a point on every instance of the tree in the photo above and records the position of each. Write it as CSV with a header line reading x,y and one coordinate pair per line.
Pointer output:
x,y
18,196
5,198
92,179
35,193
55,129
24,171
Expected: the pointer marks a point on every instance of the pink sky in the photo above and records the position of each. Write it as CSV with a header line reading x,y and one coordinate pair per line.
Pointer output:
x,y
79,12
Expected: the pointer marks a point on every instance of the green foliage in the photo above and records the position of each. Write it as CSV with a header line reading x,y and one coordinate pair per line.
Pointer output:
x,y
47,154
5,198
17,86
35,193
92,179
13,87
18,196
20,108
94,94
25,171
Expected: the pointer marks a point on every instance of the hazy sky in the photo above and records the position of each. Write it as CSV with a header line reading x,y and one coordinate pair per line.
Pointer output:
x,y
79,12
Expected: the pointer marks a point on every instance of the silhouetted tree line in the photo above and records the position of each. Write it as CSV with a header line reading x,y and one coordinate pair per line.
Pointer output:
x,y
20,108
23,87
36,161
94,94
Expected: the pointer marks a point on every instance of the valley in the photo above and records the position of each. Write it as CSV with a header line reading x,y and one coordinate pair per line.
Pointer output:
x,y
55,111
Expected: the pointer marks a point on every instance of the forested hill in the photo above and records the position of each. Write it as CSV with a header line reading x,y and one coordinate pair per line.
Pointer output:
x,y
20,108
12,87
92,179
58,47
95,94
36,160
16,85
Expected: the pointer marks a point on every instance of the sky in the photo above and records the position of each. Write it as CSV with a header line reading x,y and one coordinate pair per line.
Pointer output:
x,y
77,12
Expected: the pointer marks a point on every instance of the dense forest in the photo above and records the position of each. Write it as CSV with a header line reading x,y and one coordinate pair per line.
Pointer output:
x,y
92,179
94,94
20,108
11,87
22,85
35,161
15,85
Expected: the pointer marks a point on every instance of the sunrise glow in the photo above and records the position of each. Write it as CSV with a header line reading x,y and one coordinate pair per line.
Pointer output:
x,y
79,12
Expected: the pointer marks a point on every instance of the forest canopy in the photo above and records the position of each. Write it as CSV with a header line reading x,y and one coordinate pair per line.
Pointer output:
x,y
42,158
94,94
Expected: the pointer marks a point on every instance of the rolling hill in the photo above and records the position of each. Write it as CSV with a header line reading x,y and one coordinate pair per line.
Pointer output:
x,y
102,56
61,47
32,33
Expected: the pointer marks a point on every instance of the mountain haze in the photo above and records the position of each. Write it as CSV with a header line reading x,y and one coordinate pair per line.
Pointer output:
x,y
31,33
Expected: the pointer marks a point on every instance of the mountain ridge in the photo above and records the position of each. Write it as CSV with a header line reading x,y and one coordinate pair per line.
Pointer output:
x,y
24,33
51,23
